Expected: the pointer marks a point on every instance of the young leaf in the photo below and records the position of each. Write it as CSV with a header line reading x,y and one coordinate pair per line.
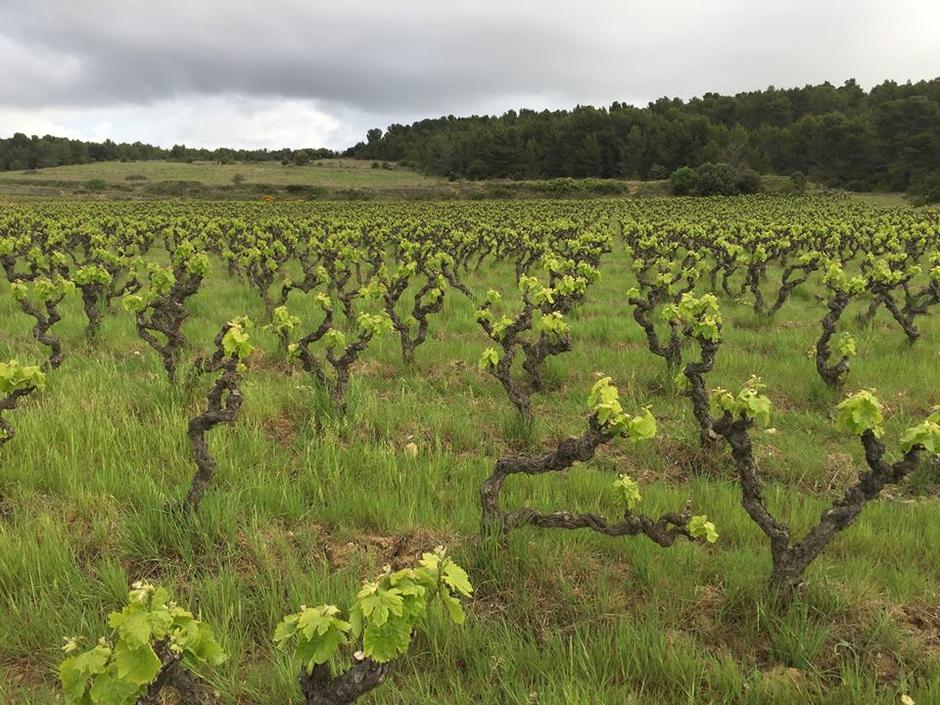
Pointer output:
x,y
700,528
629,491
859,413
136,664
925,434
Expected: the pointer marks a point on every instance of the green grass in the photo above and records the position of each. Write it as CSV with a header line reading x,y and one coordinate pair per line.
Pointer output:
x,y
887,199
559,618
322,178
332,173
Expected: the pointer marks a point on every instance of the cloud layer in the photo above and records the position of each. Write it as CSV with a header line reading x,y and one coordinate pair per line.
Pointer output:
x,y
302,73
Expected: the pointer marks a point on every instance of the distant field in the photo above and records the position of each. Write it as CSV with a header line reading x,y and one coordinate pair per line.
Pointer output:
x,y
324,179
339,173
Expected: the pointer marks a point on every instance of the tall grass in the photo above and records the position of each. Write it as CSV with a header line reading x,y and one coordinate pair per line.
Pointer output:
x,y
307,503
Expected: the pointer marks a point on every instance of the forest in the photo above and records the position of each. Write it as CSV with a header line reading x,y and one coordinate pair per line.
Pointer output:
x,y
24,153
885,139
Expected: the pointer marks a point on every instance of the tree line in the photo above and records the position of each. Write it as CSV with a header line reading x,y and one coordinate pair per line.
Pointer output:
x,y
23,153
887,138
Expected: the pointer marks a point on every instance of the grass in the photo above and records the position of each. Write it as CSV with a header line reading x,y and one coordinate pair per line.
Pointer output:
x,y
332,173
298,515
325,179
887,199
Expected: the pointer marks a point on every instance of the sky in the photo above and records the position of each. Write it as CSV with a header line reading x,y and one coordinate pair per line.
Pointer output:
x,y
306,73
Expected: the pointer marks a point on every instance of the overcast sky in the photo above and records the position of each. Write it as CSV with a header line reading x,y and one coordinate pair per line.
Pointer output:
x,y
310,73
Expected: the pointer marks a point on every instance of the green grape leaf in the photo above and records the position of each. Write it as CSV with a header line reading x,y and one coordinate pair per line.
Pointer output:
x,y
387,641
286,628
845,344
642,427
377,603
699,527
14,377
205,647
859,413
133,624
74,672
454,608
111,689
321,633
628,490
456,578
755,406
925,434
604,401
490,358
236,342
335,339
138,664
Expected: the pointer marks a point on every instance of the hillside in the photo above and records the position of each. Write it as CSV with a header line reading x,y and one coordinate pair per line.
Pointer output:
x,y
165,177
325,179
884,139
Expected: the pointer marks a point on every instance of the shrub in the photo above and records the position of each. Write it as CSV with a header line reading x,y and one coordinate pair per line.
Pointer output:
x,y
798,182
605,187
176,188
860,414
716,179
40,299
683,181
748,181
928,190
332,365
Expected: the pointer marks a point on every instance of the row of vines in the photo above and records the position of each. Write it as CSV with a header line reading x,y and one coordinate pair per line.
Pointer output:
x,y
332,279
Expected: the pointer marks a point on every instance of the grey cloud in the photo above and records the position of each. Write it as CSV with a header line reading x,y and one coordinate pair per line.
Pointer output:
x,y
377,58
369,60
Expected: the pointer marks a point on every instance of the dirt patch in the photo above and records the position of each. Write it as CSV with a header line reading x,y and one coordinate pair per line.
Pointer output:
x,y
23,676
552,604
447,371
840,470
259,360
688,459
783,675
395,550
374,368
784,401
703,617
923,621
886,668
281,429
795,325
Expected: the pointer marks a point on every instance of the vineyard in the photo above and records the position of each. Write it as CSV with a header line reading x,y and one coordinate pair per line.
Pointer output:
x,y
541,452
